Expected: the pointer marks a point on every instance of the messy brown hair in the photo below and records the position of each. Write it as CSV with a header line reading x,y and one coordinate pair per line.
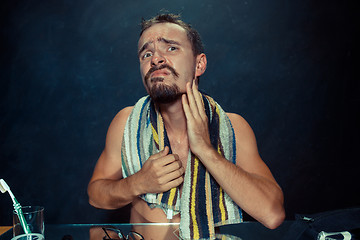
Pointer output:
x,y
192,34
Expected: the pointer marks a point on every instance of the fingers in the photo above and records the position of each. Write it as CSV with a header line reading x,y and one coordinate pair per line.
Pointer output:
x,y
171,164
198,99
164,165
186,108
193,102
167,160
174,183
161,172
170,173
193,105
173,176
160,154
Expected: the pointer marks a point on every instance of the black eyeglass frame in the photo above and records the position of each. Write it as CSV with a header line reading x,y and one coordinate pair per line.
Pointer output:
x,y
120,234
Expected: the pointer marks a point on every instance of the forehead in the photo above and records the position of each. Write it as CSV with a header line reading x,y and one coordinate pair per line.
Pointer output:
x,y
169,31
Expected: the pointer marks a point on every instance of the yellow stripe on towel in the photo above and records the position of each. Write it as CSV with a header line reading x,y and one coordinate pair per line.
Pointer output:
x,y
221,198
155,135
221,205
171,196
193,200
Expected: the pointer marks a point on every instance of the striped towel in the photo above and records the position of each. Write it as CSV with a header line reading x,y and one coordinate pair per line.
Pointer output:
x,y
203,204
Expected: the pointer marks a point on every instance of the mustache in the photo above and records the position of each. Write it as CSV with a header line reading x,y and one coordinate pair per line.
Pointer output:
x,y
155,68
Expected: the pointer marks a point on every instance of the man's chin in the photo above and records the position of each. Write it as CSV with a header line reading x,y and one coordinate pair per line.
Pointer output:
x,y
164,94
166,99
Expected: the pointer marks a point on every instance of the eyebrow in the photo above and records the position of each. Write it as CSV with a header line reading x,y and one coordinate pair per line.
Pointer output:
x,y
161,39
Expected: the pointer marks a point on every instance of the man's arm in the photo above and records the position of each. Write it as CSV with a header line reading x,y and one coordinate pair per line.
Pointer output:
x,y
107,189
249,183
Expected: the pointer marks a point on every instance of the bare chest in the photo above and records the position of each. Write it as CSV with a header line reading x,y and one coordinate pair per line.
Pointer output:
x,y
181,149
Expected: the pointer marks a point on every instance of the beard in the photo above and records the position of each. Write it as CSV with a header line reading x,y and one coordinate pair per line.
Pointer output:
x,y
162,94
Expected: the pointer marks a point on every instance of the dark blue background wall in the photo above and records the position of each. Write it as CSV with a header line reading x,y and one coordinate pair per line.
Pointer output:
x,y
67,67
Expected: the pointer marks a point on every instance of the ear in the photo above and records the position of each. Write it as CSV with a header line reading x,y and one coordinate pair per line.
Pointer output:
x,y
201,63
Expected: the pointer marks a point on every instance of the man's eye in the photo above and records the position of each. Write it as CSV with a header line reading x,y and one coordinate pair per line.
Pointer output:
x,y
146,55
172,48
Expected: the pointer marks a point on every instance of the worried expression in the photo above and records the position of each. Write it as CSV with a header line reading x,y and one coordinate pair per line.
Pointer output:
x,y
167,61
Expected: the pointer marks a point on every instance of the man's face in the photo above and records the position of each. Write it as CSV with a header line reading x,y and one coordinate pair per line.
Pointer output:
x,y
167,61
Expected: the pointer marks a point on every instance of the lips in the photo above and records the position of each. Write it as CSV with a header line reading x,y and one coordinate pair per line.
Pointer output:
x,y
159,73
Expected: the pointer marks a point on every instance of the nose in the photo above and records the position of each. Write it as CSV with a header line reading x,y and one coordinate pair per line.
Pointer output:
x,y
157,59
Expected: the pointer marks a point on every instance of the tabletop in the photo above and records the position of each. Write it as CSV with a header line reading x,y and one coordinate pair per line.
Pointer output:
x,y
244,231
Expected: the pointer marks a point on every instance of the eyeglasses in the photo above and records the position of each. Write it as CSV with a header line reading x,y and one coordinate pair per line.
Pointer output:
x,y
120,236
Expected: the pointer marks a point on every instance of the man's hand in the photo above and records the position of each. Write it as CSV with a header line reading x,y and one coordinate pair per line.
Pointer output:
x,y
197,121
160,173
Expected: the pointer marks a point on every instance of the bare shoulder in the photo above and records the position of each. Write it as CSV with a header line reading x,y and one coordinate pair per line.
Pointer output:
x,y
247,154
246,146
116,130
125,112
122,116
240,125
234,117
118,123
108,165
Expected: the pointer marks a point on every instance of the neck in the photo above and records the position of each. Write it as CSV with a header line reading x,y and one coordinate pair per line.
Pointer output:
x,y
174,117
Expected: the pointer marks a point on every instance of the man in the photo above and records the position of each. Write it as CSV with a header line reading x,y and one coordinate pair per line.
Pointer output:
x,y
171,62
